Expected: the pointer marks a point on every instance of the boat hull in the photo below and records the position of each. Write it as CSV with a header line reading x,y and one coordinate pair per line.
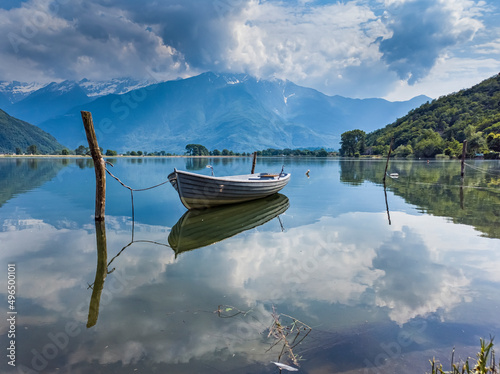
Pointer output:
x,y
200,191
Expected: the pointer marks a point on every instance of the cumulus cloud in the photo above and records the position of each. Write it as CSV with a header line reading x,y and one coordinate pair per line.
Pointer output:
x,y
52,40
354,48
423,30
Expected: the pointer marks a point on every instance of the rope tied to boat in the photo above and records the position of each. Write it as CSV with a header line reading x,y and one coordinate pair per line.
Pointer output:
x,y
281,172
132,189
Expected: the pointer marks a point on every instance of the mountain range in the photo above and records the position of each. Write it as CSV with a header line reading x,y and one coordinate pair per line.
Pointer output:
x,y
232,111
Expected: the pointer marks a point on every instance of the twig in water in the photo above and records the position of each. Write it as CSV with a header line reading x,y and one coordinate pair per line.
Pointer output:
x,y
282,332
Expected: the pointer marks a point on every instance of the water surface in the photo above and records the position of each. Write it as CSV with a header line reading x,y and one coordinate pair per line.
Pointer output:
x,y
385,278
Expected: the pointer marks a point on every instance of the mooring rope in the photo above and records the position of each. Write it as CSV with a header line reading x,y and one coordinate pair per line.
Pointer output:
x,y
128,245
133,216
130,188
493,172
132,192
406,180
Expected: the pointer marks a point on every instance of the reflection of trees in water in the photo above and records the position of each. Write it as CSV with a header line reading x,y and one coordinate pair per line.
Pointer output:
x,y
435,188
84,163
196,163
353,171
33,163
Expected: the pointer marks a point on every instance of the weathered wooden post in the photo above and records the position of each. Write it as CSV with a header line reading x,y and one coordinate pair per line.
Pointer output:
x,y
388,155
254,162
462,169
462,174
99,166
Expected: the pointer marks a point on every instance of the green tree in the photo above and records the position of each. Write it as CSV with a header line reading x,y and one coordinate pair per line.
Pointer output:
x,y
429,144
453,148
32,150
321,153
65,152
476,143
19,151
493,141
225,152
216,152
110,152
197,150
352,142
403,151
81,150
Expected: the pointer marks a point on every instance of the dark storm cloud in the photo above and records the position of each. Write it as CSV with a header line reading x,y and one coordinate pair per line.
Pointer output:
x,y
422,30
75,39
200,30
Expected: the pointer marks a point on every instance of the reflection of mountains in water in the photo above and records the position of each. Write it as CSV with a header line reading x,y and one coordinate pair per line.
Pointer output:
x,y
199,228
19,175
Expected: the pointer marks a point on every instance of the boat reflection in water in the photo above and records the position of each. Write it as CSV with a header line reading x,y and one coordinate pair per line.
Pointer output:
x,y
199,228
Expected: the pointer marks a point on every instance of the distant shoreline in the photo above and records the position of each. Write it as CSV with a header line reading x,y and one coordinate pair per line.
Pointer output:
x,y
125,156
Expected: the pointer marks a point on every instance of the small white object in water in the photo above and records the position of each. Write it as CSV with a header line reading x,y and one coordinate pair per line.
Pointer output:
x,y
283,366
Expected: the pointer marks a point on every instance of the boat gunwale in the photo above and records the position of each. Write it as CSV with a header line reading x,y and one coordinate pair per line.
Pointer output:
x,y
236,178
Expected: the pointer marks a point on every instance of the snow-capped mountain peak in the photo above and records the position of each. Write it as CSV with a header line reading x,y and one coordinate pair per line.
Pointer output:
x,y
113,86
15,91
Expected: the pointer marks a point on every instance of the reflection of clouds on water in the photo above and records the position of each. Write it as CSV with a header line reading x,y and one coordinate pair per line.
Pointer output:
x,y
179,337
328,261
44,254
157,307
412,284
139,315
57,264
325,261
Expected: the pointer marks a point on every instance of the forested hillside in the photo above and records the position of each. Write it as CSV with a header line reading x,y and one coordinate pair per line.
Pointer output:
x,y
440,126
17,136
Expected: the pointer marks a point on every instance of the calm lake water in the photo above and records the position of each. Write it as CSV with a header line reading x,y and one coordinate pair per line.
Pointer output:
x,y
362,279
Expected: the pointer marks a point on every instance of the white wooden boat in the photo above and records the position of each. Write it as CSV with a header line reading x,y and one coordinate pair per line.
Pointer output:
x,y
202,191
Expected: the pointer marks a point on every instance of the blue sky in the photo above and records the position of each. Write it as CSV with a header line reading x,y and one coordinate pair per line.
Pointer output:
x,y
395,49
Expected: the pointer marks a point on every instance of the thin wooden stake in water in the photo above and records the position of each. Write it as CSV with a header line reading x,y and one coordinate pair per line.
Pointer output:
x,y
388,155
99,166
462,174
464,150
254,162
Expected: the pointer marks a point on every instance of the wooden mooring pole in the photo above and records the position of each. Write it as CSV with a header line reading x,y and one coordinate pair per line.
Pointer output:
x,y
462,174
388,156
254,162
462,169
99,166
